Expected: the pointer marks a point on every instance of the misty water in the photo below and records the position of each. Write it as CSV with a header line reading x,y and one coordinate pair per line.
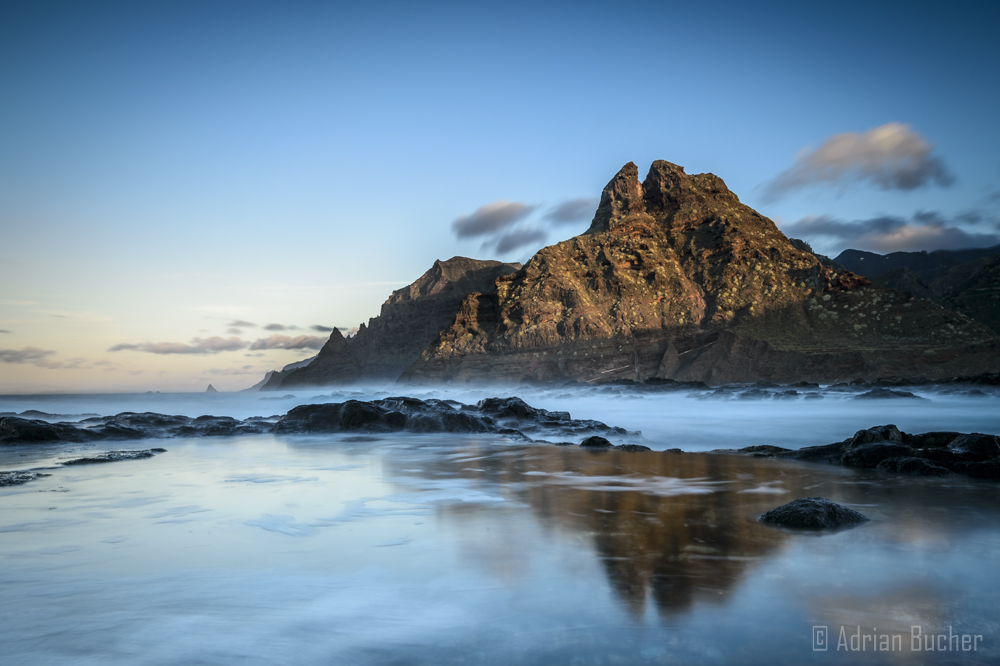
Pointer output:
x,y
476,549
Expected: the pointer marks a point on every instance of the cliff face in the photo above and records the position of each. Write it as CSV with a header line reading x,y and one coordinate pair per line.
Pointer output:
x,y
676,279
972,288
409,321
979,296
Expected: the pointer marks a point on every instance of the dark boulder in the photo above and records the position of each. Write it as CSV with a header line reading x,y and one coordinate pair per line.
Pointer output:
x,y
812,513
884,393
507,408
596,442
939,455
915,466
988,469
930,439
884,433
631,447
829,453
14,430
762,450
977,444
868,456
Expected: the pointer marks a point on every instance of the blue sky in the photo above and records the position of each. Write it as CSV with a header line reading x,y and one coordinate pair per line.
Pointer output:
x,y
169,168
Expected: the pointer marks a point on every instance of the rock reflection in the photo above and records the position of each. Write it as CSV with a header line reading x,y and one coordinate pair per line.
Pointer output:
x,y
671,529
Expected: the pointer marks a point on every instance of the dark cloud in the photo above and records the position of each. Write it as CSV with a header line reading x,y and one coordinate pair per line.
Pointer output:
x,y
3,330
239,323
573,210
925,230
234,331
245,370
280,327
321,329
892,157
40,358
516,239
490,219
286,342
32,355
212,345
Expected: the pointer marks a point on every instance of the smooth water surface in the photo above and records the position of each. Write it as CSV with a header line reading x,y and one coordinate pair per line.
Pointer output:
x,y
455,549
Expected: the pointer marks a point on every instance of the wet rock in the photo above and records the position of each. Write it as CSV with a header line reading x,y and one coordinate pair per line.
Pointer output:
x,y
16,478
114,456
762,450
829,453
931,439
503,416
596,442
884,394
812,513
888,449
754,394
631,447
942,456
912,465
977,444
868,456
506,416
883,433
987,469
15,430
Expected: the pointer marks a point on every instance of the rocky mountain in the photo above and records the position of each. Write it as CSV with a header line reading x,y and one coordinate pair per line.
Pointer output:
x,y
969,287
410,320
930,266
273,378
979,296
677,279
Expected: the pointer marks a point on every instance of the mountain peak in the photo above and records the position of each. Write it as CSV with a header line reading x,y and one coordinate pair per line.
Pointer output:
x,y
665,190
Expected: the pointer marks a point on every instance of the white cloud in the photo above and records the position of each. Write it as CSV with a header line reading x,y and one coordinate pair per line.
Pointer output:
x,y
892,157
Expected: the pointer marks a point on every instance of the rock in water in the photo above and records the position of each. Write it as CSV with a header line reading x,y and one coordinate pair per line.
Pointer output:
x,y
812,513
915,466
676,279
17,478
211,389
868,456
114,456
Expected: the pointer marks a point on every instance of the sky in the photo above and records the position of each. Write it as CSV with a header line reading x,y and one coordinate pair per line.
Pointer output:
x,y
195,193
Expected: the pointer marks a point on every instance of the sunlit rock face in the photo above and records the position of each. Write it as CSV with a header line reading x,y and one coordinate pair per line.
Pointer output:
x,y
676,279
410,320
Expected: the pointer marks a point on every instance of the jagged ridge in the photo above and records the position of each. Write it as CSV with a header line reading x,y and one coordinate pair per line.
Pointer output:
x,y
677,279
409,321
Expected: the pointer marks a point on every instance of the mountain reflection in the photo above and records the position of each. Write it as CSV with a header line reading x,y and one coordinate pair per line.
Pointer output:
x,y
670,529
